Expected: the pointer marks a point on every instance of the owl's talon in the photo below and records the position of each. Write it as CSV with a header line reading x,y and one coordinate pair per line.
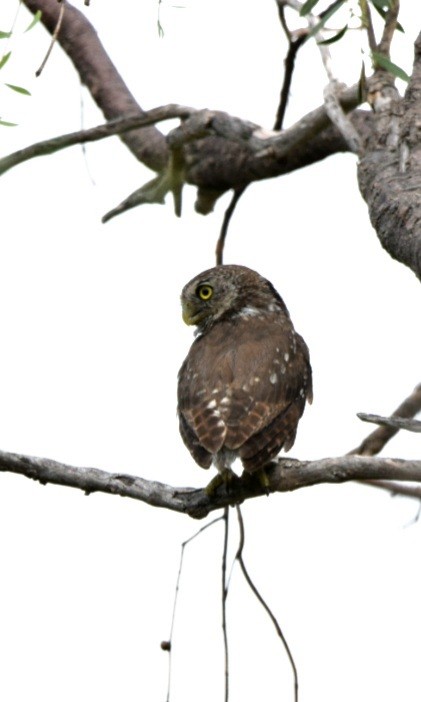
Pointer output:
x,y
259,476
226,477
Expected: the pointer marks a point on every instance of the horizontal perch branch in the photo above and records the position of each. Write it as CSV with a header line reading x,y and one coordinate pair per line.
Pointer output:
x,y
286,474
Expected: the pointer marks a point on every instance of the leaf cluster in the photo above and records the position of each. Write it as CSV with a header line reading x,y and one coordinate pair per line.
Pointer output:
x,y
382,7
4,59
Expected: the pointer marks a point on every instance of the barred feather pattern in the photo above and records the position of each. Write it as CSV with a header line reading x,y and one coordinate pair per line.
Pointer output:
x,y
246,379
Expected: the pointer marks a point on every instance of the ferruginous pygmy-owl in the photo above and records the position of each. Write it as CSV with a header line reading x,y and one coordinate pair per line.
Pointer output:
x,y
244,384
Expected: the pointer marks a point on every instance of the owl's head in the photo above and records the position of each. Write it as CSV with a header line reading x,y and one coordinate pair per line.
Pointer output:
x,y
227,291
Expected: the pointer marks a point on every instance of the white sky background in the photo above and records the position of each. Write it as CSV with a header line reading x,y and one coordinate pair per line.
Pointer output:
x,y
92,342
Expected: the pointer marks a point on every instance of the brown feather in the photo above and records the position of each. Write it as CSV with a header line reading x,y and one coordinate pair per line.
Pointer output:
x,y
245,381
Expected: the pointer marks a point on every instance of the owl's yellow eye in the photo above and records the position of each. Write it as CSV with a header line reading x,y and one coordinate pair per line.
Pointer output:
x,y
205,292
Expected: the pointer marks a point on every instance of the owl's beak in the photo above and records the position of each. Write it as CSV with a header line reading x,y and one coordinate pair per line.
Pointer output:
x,y
190,313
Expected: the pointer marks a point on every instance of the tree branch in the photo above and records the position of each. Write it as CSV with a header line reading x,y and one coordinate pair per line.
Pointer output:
x,y
389,174
377,440
284,475
102,131
396,422
256,154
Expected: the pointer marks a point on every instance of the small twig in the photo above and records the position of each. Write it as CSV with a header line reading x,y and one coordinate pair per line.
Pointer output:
x,y
224,593
289,61
102,131
397,422
294,44
389,28
331,94
219,251
377,440
340,120
295,41
368,24
167,645
53,39
395,489
239,558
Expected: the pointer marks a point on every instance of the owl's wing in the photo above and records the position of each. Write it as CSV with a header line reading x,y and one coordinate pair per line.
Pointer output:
x,y
244,386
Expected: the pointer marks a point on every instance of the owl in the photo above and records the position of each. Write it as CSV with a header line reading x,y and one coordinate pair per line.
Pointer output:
x,y
243,386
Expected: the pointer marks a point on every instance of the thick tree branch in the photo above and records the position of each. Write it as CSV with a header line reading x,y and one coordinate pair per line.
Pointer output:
x,y
390,167
284,475
260,154
390,171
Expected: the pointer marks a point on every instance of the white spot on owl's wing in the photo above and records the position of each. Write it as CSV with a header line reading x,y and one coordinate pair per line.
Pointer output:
x,y
249,311
211,404
273,378
286,357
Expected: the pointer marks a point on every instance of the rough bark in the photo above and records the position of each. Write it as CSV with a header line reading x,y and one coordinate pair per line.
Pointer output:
x,y
390,171
283,475
390,166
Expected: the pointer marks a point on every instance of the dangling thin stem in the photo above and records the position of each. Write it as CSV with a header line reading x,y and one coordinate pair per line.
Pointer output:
x,y
167,645
265,606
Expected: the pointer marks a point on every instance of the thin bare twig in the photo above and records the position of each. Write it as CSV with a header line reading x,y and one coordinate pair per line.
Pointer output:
x,y
389,28
224,593
102,131
395,489
219,251
396,422
332,91
377,440
295,41
53,39
252,586
168,644
368,24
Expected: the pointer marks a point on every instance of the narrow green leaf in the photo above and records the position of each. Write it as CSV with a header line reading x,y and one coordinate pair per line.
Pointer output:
x,y
383,14
5,35
362,85
4,59
388,65
18,89
331,11
7,124
337,36
307,7
380,4
35,20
